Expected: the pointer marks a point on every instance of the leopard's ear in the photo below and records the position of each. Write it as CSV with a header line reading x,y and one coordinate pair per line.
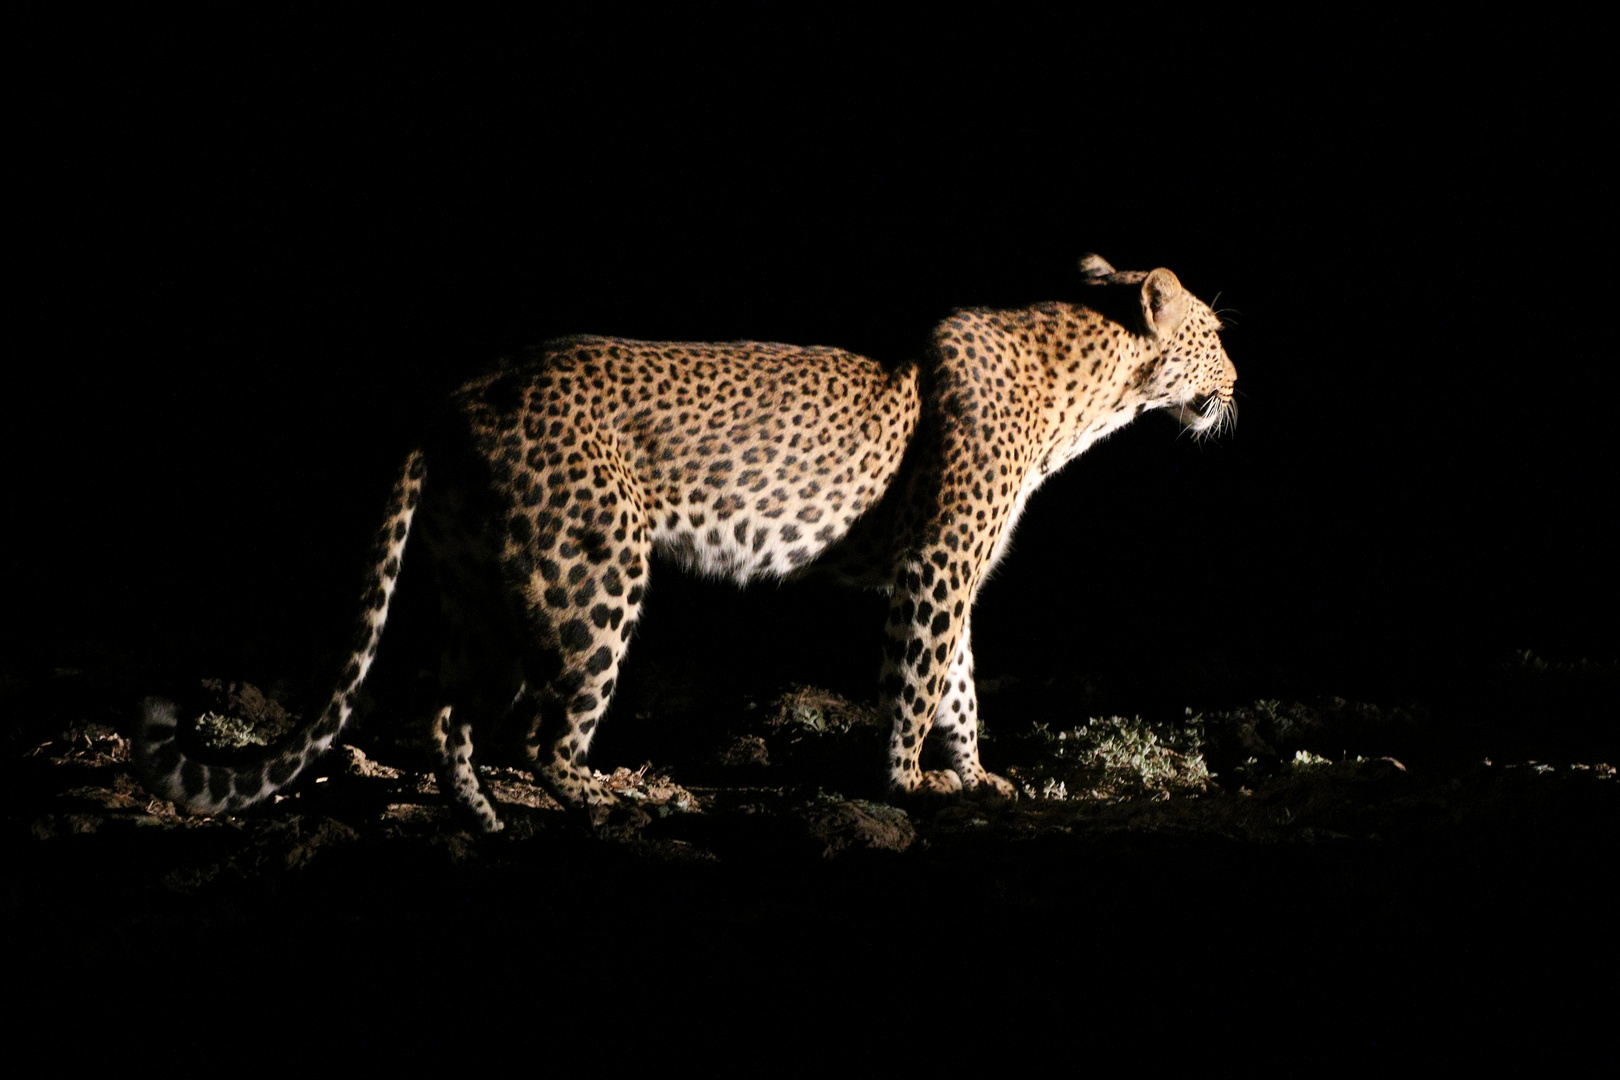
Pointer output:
x,y
1094,266
1164,302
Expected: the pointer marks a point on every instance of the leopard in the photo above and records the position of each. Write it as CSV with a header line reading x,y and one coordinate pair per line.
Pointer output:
x,y
564,469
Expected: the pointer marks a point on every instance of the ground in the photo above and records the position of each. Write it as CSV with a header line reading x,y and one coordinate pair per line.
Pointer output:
x,y
1324,874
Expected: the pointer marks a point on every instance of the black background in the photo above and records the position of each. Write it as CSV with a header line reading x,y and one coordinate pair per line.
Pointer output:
x,y
254,254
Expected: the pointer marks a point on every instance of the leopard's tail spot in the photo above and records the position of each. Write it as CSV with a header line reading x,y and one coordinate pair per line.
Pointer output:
x,y
211,788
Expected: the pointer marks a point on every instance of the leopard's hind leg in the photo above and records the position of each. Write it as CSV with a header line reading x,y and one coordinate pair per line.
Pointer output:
x,y
480,674
576,548
454,769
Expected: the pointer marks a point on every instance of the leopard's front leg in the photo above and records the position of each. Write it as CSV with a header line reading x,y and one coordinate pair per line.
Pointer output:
x,y
956,723
974,453
928,678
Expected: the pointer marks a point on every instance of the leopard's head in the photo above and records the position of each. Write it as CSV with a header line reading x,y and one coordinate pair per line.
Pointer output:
x,y
1190,373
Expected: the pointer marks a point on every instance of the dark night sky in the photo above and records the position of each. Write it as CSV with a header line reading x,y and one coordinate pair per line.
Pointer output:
x,y
257,254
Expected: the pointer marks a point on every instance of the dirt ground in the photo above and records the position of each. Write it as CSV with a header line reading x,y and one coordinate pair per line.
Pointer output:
x,y
1312,882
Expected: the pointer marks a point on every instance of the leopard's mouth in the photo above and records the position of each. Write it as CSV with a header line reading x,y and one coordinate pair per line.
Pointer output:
x,y
1201,413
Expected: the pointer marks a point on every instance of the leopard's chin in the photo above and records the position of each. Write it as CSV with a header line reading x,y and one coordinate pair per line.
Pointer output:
x,y
1199,414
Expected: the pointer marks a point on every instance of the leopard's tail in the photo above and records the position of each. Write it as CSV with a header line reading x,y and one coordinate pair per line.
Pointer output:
x,y
168,771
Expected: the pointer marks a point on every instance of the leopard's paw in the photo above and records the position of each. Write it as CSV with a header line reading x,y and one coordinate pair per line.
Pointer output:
x,y
930,785
987,785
